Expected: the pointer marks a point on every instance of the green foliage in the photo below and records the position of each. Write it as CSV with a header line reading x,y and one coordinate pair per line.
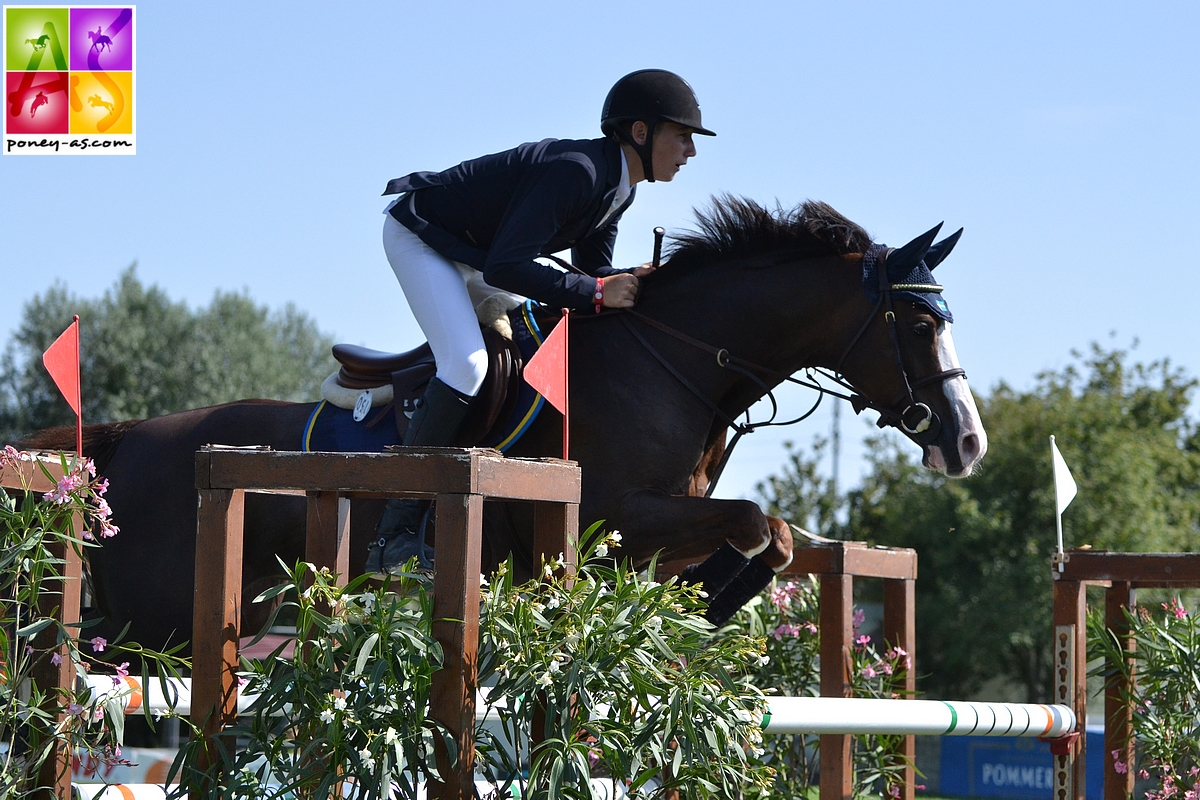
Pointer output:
x,y
144,355
631,680
1166,693
347,711
984,543
786,619
34,641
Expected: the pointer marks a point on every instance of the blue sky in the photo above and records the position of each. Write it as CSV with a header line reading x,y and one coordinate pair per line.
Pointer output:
x,y
1062,136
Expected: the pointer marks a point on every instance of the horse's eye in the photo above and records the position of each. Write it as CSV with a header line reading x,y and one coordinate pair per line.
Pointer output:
x,y
922,329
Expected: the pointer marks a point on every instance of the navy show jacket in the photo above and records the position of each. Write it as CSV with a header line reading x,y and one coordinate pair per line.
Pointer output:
x,y
499,212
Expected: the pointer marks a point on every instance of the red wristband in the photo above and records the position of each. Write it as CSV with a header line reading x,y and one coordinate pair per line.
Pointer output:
x,y
599,295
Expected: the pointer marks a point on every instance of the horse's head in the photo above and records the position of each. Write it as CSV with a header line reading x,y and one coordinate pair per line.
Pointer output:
x,y
873,314
901,357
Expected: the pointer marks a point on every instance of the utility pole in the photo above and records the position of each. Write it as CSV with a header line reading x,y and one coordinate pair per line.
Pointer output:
x,y
836,441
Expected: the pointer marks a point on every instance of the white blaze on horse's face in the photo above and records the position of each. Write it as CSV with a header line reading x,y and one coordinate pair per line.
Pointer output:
x,y
972,439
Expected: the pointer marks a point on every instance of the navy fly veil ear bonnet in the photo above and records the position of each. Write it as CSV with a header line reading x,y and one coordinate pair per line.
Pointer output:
x,y
910,271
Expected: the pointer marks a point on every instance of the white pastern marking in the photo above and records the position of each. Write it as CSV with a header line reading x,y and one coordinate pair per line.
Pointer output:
x,y
962,402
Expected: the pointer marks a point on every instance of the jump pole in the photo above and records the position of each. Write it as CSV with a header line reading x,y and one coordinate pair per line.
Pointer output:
x,y
785,715
855,715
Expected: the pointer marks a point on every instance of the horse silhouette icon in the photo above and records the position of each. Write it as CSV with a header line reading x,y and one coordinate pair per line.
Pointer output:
x,y
96,101
99,40
38,102
40,42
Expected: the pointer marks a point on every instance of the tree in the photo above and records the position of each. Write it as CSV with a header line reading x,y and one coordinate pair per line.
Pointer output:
x,y
144,355
983,597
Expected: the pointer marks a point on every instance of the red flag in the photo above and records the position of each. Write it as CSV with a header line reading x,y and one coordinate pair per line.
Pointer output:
x,y
62,362
547,373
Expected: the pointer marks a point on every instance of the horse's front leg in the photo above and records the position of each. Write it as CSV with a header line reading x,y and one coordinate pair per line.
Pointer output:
x,y
747,547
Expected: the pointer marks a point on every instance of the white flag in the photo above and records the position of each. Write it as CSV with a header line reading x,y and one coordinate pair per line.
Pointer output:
x,y
1064,484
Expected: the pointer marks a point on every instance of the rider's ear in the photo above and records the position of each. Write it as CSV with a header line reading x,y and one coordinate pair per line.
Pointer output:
x,y
901,260
938,252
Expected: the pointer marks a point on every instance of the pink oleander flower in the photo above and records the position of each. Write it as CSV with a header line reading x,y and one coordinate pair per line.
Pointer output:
x,y
920,787
1143,774
863,641
100,486
1175,608
56,659
868,672
87,535
10,457
781,596
75,709
885,667
28,650
786,629
810,626
894,790
98,644
108,530
89,466
860,617
123,670
103,511
62,492
1190,794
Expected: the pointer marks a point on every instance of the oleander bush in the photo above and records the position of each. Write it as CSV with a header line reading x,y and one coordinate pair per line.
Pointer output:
x,y
1165,699
35,714
786,618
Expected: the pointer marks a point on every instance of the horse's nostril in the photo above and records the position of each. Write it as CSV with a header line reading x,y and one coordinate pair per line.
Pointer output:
x,y
968,447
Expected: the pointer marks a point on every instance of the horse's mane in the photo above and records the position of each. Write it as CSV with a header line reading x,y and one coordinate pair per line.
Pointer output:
x,y
736,227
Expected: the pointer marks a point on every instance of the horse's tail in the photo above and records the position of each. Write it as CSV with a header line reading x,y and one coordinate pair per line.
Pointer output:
x,y
100,442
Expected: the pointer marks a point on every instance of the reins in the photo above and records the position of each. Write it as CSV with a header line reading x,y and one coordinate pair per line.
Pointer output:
x,y
924,429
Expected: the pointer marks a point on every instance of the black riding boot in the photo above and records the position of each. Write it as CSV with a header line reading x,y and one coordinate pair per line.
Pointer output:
x,y
435,423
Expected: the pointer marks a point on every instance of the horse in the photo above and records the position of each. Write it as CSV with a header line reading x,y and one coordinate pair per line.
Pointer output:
x,y
99,40
96,101
768,292
40,42
38,102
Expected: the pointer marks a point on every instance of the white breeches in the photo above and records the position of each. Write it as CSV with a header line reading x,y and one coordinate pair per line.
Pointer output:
x,y
443,296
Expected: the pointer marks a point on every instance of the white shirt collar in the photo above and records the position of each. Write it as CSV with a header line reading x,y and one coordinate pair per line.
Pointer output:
x,y
622,194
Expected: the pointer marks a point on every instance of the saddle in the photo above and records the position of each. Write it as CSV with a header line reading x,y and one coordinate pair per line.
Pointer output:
x,y
399,379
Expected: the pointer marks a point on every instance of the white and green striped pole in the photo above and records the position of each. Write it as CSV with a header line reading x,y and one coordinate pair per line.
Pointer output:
x,y
853,715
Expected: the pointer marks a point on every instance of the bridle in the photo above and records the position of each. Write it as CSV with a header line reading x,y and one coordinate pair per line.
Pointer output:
x,y
917,420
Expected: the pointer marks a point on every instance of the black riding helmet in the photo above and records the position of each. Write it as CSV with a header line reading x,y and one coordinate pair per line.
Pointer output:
x,y
652,96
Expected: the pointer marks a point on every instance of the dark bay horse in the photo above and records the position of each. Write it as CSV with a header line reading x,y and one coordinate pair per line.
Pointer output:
x,y
769,292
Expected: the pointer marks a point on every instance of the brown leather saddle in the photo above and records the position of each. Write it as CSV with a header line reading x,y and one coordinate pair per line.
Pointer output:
x,y
409,373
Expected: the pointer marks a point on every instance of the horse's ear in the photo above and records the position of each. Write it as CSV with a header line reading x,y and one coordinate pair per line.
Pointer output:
x,y
901,260
938,252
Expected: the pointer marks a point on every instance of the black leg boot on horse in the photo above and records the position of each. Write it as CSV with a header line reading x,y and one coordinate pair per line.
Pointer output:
x,y
403,525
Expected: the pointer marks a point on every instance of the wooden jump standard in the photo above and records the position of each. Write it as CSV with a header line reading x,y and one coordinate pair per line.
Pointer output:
x,y
836,564
459,479
1122,574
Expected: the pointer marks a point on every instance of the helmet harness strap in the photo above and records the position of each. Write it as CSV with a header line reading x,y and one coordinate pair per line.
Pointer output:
x,y
645,151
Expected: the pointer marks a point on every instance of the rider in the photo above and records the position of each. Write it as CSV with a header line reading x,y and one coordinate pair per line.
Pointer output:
x,y
458,238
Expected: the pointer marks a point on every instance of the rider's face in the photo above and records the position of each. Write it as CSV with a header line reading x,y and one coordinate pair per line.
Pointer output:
x,y
673,146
